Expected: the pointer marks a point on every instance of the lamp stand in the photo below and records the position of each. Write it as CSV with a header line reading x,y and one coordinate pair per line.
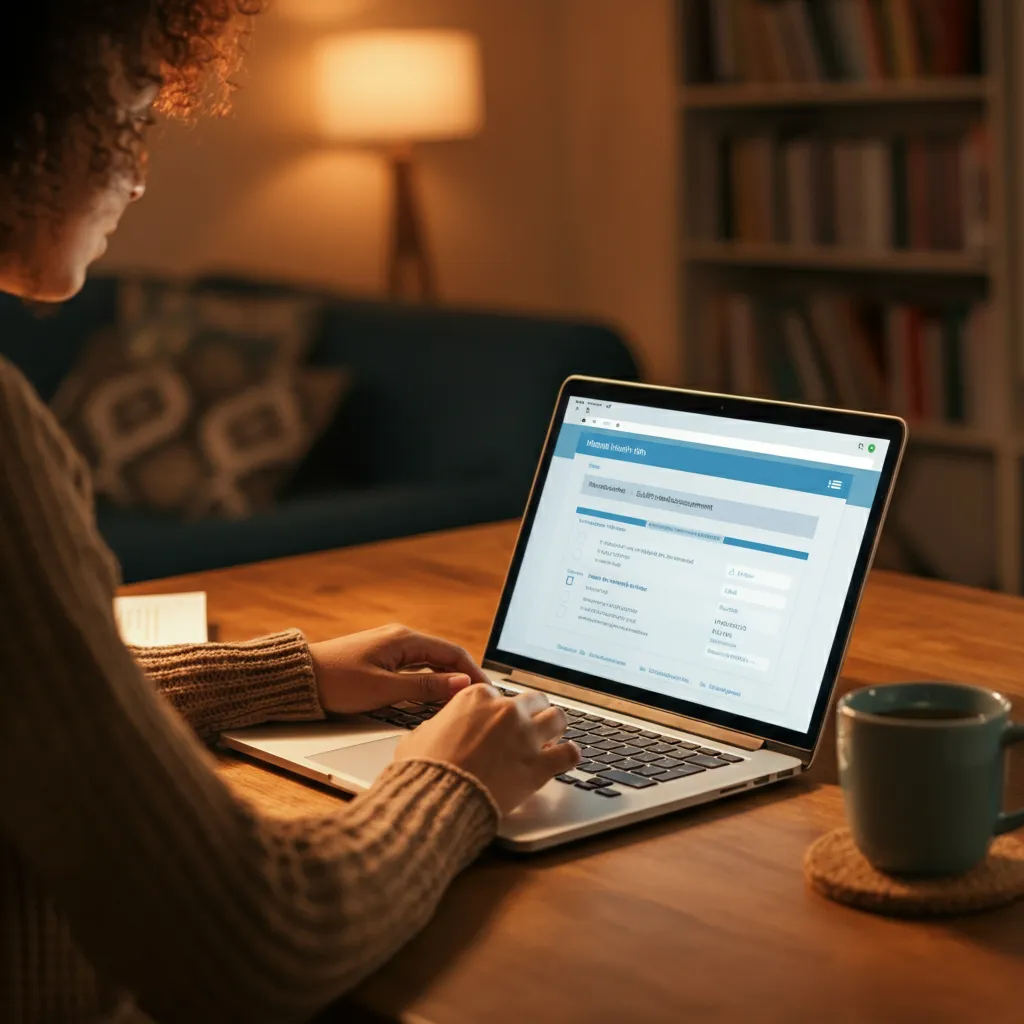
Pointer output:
x,y
410,271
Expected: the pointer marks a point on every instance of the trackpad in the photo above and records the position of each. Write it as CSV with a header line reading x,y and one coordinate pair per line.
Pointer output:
x,y
364,761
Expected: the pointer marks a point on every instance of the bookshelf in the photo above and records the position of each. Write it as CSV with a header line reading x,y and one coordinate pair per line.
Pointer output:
x,y
918,94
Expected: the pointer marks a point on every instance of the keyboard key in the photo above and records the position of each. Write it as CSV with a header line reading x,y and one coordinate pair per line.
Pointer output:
x,y
384,715
646,757
607,792
566,778
630,751
406,705
679,773
586,784
671,741
731,758
661,748
625,779
589,753
649,769
603,730
647,734
629,765
609,757
573,734
572,712
591,767
708,751
621,734
640,740
686,745
506,692
608,744
600,783
706,762
668,762
593,718
407,720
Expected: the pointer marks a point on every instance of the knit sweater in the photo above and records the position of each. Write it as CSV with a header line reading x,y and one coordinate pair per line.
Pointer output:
x,y
130,875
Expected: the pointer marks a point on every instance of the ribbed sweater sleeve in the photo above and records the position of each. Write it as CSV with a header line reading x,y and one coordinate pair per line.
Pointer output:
x,y
226,686
175,889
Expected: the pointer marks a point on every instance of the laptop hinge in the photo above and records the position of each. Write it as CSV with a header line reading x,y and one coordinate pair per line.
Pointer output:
x,y
628,707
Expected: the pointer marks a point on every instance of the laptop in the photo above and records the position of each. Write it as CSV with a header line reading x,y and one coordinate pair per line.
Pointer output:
x,y
684,585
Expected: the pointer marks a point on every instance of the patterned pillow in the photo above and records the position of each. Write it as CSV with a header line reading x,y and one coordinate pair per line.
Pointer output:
x,y
198,403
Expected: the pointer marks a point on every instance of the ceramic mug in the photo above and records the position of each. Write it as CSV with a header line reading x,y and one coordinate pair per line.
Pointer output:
x,y
922,767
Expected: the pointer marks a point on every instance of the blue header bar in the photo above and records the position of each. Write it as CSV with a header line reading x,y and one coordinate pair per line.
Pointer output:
x,y
728,465
862,489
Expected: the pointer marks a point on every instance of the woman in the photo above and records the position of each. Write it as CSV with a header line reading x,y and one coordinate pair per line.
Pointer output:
x,y
132,881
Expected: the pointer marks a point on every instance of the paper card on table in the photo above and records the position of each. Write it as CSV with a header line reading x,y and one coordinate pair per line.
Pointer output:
x,y
161,620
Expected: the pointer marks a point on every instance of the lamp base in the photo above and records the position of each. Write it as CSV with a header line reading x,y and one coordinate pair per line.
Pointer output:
x,y
411,275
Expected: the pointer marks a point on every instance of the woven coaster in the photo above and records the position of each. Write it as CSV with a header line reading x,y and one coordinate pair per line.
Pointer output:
x,y
837,869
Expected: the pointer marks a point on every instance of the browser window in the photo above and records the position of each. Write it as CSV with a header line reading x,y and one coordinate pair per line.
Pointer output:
x,y
700,557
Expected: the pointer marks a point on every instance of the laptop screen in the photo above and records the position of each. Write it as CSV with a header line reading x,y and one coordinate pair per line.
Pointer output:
x,y
694,556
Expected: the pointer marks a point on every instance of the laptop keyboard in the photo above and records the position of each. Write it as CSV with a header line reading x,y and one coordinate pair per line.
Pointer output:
x,y
614,753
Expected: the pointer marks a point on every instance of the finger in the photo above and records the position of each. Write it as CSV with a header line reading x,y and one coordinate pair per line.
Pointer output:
x,y
426,687
531,702
549,724
556,760
420,649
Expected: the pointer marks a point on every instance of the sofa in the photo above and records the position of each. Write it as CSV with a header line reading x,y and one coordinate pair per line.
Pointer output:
x,y
442,427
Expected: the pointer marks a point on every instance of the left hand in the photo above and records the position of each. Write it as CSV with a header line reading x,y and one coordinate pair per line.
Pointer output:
x,y
364,671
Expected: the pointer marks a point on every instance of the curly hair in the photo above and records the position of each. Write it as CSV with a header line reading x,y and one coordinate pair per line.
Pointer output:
x,y
57,59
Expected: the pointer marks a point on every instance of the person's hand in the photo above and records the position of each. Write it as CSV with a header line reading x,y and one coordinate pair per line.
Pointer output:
x,y
510,744
369,670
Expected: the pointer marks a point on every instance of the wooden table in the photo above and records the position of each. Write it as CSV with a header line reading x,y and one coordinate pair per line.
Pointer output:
x,y
703,916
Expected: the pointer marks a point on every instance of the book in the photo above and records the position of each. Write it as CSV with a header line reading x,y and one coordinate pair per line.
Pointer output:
x,y
723,41
162,620
906,50
798,192
811,374
896,374
933,370
849,193
975,188
828,329
741,342
833,40
877,194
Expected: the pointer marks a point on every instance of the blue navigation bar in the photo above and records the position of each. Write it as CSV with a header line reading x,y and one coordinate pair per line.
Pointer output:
x,y
728,465
737,542
714,538
614,517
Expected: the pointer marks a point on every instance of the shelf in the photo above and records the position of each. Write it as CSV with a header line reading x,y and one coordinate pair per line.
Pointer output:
x,y
953,435
779,254
974,89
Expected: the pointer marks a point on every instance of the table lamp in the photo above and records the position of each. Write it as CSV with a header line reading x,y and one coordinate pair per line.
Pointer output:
x,y
395,89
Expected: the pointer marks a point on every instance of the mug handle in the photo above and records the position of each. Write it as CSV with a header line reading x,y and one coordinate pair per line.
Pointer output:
x,y
1013,733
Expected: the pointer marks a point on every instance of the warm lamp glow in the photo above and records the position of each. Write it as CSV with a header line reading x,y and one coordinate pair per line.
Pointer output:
x,y
400,86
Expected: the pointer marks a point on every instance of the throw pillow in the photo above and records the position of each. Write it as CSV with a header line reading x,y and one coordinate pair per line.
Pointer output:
x,y
198,403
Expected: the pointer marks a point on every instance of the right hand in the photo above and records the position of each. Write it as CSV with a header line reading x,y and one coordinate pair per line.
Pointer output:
x,y
510,744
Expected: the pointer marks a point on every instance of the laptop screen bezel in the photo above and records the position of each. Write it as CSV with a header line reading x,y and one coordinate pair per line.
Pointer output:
x,y
889,428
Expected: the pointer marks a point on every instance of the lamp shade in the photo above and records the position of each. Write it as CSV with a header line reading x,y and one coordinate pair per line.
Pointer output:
x,y
400,86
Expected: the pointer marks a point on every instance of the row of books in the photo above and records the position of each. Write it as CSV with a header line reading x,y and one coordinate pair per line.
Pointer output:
x,y
928,364
831,40
880,194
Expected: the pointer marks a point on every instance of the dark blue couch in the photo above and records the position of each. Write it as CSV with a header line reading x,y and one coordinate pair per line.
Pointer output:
x,y
443,426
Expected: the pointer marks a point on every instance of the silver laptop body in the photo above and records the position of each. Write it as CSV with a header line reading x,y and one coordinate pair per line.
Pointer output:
x,y
684,584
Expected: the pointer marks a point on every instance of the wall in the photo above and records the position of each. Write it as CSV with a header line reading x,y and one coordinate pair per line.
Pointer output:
x,y
564,203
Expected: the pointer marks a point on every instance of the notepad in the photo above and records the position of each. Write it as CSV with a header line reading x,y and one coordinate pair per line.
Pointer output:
x,y
161,620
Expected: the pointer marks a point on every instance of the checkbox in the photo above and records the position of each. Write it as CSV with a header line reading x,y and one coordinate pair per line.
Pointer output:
x,y
568,581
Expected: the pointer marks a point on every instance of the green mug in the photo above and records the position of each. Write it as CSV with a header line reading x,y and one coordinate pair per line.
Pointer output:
x,y
922,768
